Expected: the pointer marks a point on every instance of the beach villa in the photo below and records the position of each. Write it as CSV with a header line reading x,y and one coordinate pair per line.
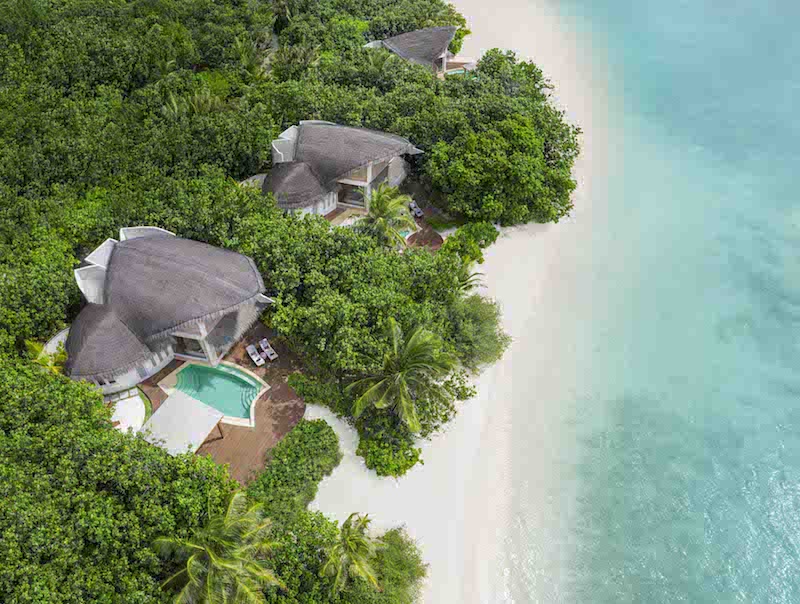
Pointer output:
x,y
428,47
152,298
319,166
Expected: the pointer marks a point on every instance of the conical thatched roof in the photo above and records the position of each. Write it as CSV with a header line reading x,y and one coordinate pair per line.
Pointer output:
x,y
99,344
294,185
158,284
155,286
424,46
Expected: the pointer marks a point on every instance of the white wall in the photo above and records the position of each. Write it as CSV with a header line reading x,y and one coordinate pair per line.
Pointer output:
x,y
142,231
282,150
91,281
132,377
283,146
325,206
397,171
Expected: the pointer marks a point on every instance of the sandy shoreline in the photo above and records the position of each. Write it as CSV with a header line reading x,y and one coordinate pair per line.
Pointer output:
x,y
459,504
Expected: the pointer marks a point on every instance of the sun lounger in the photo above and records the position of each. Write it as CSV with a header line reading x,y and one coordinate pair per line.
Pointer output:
x,y
268,349
251,350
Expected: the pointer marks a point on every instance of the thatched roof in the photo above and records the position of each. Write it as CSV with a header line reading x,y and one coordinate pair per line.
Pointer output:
x,y
159,284
332,150
294,185
155,286
324,153
424,46
99,341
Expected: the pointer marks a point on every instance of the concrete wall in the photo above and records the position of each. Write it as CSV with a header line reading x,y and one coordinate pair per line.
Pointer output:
x,y
91,281
132,377
283,146
322,207
398,170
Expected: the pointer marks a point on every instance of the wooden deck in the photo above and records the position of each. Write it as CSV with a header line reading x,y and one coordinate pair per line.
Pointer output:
x,y
330,216
426,236
276,412
151,388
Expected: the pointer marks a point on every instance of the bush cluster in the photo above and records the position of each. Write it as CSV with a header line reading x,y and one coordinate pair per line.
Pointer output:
x,y
296,465
81,502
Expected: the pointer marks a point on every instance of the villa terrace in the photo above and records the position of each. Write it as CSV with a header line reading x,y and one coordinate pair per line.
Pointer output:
x,y
277,411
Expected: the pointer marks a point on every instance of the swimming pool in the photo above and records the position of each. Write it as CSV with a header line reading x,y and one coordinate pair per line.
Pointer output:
x,y
226,389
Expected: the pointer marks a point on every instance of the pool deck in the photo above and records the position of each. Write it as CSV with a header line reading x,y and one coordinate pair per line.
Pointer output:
x,y
276,411
426,236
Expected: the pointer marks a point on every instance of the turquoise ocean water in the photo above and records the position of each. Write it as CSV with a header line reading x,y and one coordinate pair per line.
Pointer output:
x,y
682,445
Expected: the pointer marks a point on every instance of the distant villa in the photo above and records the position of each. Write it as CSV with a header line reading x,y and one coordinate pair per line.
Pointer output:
x,y
153,296
428,47
318,166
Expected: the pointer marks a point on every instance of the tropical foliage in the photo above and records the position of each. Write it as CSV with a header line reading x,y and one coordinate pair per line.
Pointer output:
x,y
81,502
147,112
54,363
412,368
351,556
305,539
224,560
470,240
388,216
304,457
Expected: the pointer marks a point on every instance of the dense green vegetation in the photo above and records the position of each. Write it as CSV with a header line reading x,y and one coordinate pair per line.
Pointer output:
x,y
304,457
111,113
388,216
225,560
350,556
411,374
82,508
80,502
147,112
305,541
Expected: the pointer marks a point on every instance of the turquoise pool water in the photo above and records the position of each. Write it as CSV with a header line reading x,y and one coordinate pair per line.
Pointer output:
x,y
225,389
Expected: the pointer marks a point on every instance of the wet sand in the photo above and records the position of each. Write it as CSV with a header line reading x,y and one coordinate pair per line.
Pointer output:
x,y
458,505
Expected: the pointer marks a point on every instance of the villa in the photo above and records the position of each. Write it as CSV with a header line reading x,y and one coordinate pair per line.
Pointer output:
x,y
319,166
152,298
428,47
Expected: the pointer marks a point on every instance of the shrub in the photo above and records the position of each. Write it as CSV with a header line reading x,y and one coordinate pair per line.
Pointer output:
x,y
299,557
320,392
400,572
469,240
386,444
478,337
81,502
296,465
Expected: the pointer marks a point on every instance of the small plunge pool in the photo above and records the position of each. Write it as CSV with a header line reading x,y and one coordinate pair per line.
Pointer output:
x,y
228,390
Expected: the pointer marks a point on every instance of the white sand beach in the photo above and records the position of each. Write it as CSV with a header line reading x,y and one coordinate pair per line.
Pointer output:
x,y
458,504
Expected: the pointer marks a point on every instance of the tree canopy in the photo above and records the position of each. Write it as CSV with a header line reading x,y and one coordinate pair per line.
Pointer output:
x,y
148,112
81,502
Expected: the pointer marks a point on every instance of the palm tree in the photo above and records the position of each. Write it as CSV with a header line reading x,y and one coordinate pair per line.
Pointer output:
x,y
468,280
204,101
388,214
412,368
352,554
250,59
377,58
175,107
224,560
54,363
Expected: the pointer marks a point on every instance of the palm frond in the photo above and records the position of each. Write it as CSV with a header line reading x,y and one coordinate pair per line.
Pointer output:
x,y
223,558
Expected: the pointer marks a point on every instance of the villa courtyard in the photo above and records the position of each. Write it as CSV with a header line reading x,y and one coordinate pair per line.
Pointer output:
x,y
277,411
